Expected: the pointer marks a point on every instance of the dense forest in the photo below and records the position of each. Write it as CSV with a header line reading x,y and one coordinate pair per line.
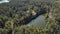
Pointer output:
x,y
15,15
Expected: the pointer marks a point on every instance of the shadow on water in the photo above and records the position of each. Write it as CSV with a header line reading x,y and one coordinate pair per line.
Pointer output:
x,y
39,21
31,17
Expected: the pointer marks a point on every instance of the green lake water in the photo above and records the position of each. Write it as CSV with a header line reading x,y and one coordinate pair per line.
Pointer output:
x,y
39,21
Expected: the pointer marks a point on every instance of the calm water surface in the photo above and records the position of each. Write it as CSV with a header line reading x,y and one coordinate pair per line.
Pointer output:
x,y
4,1
39,21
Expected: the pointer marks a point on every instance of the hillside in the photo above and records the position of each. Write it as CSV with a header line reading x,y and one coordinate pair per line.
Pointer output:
x,y
15,15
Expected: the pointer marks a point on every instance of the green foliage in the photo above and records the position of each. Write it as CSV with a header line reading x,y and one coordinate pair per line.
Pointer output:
x,y
9,25
13,16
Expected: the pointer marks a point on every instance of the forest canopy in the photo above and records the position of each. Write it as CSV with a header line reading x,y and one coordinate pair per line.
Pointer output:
x,y
15,15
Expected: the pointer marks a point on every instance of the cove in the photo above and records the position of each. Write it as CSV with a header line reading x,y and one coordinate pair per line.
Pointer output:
x,y
39,21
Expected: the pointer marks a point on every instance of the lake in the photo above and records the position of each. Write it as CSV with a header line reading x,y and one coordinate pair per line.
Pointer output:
x,y
39,21
3,1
